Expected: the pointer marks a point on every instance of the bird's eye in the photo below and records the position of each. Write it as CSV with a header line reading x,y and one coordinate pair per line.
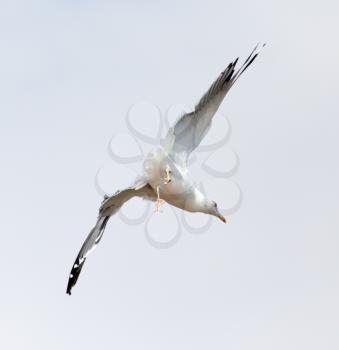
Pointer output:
x,y
215,205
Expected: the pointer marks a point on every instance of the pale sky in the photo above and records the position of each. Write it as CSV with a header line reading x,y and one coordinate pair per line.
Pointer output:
x,y
269,279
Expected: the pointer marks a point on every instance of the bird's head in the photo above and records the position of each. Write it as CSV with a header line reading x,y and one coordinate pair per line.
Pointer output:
x,y
212,209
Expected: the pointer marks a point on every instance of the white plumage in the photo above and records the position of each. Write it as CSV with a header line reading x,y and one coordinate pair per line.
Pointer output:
x,y
165,175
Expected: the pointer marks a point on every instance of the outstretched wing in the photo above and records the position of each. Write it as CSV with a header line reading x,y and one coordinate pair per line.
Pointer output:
x,y
109,207
191,128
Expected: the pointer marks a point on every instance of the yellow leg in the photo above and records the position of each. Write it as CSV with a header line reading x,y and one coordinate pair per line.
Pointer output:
x,y
159,201
167,180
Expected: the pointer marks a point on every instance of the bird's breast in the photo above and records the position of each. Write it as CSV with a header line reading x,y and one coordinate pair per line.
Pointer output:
x,y
165,176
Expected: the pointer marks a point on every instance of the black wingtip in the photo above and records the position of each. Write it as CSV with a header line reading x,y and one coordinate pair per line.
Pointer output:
x,y
74,275
70,285
253,55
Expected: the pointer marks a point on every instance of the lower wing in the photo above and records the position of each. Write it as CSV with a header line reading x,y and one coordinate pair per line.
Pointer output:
x,y
108,208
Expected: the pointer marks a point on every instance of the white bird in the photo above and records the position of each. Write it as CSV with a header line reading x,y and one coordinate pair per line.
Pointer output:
x,y
165,175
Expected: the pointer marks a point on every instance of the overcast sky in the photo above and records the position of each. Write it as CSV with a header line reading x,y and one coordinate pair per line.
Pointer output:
x,y
269,279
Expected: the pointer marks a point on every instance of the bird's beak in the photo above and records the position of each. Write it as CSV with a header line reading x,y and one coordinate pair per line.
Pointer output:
x,y
222,218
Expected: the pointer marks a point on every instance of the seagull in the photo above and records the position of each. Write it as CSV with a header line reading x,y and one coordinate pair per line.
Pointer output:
x,y
165,176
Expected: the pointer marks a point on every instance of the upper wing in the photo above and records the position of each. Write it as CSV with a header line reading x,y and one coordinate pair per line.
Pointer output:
x,y
109,207
191,128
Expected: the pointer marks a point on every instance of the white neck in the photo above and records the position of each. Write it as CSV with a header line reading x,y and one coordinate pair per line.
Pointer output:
x,y
199,203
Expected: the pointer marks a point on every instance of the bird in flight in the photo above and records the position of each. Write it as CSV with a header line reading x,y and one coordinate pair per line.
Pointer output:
x,y
165,176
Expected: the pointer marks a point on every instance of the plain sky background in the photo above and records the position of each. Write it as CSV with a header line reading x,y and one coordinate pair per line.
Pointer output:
x,y
269,279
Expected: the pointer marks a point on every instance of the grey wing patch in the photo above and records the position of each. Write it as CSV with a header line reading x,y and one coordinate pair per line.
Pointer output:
x,y
91,241
109,207
112,204
191,128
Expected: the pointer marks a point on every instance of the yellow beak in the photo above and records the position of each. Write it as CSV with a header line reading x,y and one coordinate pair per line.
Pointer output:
x,y
222,218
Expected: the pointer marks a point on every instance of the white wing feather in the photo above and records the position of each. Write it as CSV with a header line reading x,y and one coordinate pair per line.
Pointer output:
x,y
190,129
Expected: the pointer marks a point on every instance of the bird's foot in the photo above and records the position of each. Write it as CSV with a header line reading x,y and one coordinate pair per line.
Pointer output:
x,y
167,178
159,202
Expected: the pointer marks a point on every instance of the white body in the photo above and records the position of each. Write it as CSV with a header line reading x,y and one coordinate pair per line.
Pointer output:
x,y
180,191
